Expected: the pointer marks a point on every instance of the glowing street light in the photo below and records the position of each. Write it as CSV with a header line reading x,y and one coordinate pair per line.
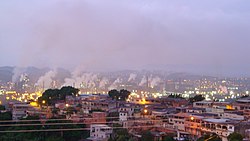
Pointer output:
x,y
192,118
43,101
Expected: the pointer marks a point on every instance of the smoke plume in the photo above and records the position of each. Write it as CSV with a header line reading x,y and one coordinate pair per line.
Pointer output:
x,y
46,80
132,77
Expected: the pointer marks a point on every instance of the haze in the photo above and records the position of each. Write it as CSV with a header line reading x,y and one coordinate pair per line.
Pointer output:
x,y
208,36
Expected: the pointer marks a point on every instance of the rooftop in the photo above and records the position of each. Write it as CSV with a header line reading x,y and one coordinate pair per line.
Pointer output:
x,y
217,120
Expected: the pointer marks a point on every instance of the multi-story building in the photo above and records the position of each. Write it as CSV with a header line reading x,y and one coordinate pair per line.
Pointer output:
x,y
178,120
195,125
100,132
221,127
20,110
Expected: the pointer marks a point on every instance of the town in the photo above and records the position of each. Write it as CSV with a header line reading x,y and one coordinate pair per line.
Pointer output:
x,y
124,70
122,115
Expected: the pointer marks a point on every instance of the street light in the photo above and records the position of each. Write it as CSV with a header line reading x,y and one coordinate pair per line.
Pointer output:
x,y
192,118
43,101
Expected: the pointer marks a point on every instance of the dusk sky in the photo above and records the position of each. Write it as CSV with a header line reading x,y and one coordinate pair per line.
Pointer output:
x,y
205,36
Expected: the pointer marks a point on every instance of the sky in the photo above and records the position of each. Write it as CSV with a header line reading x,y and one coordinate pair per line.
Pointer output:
x,y
207,36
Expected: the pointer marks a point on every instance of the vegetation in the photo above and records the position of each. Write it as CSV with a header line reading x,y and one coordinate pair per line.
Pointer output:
x,y
211,137
6,116
175,96
70,110
50,96
235,137
244,96
2,107
44,136
196,98
120,134
168,138
147,136
121,95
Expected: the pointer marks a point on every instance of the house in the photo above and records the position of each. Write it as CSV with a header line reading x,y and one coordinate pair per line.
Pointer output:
x,y
178,120
19,110
123,116
100,132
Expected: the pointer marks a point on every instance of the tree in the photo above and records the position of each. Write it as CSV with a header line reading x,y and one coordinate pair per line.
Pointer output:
x,y
55,111
120,134
244,96
175,96
235,137
211,137
168,138
196,98
68,91
121,95
122,138
35,136
71,110
6,116
54,138
50,96
44,136
147,136
2,107
113,94
124,94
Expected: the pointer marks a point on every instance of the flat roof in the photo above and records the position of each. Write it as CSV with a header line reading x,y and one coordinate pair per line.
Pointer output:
x,y
204,102
100,125
216,120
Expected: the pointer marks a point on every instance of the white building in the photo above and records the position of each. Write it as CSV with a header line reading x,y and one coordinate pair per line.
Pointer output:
x,y
178,120
123,116
221,127
100,132
19,111
129,108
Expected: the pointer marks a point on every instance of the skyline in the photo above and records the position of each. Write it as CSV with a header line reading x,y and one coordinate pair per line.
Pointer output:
x,y
206,37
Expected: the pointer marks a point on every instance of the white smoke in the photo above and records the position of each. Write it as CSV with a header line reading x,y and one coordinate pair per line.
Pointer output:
x,y
143,81
79,79
154,81
23,77
69,82
115,84
46,80
75,80
103,83
17,72
132,77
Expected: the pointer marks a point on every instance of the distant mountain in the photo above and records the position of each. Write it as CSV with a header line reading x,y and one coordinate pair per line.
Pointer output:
x,y
6,74
34,73
62,74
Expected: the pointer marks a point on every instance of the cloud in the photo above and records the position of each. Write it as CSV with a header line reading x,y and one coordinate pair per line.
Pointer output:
x,y
138,34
